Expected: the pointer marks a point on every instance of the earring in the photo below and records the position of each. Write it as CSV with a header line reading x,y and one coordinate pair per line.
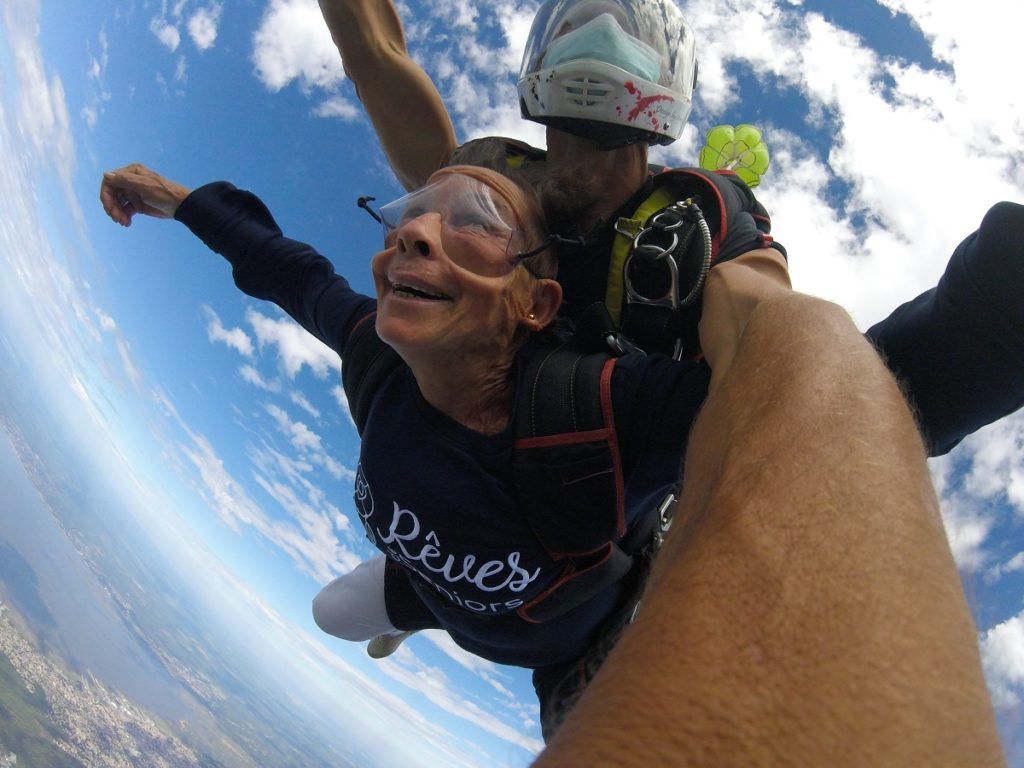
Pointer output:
x,y
531,316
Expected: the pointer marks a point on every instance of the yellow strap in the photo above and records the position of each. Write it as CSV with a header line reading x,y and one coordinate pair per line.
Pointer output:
x,y
615,293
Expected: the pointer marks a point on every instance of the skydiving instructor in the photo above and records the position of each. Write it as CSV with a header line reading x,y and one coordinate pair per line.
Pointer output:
x,y
957,349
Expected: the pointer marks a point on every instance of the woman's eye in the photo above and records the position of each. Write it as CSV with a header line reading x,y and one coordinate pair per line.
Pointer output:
x,y
476,224
411,213
469,222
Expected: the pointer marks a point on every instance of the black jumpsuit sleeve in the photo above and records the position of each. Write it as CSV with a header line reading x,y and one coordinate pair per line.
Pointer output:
x,y
269,266
958,349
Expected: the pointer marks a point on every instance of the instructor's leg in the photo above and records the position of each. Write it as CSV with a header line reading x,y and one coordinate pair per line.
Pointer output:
x,y
805,609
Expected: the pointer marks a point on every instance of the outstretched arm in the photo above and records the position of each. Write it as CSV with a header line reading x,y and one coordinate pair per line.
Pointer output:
x,y
975,317
805,608
411,121
265,264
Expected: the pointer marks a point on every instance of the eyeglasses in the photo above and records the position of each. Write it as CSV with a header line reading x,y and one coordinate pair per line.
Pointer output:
x,y
479,232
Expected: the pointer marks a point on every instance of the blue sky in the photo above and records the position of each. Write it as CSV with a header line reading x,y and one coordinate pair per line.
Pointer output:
x,y
228,425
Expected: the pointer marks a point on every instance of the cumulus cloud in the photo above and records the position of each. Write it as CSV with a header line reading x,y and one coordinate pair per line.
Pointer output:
x,y
292,43
295,347
166,33
879,112
202,26
980,489
1002,653
1014,565
254,377
225,495
339,107
309,444
300,436
235,338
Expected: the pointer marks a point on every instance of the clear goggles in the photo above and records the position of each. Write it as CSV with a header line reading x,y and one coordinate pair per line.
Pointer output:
x,y
479,231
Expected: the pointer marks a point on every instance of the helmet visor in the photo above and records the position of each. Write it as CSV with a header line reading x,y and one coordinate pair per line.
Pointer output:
x,y
646,38
479,230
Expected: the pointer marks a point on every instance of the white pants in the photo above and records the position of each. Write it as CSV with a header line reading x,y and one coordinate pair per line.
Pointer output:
x,y
352,606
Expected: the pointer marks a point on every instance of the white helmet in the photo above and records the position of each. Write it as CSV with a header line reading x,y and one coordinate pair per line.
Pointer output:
x,y
617,71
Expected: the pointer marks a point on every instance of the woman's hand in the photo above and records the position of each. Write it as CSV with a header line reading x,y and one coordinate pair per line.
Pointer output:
x,y
136,189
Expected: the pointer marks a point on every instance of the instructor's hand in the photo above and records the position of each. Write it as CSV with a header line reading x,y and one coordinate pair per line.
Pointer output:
x,y
136,189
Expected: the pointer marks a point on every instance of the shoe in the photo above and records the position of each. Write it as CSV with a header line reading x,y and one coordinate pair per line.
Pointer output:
x,y
384,645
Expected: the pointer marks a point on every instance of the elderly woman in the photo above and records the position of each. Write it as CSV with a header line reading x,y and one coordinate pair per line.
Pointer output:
x,y
464,288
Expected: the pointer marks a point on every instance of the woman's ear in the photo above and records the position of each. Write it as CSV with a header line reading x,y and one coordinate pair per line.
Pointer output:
x,y
547,298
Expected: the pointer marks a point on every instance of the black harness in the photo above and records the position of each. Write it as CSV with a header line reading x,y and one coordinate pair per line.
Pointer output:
x,y
565,456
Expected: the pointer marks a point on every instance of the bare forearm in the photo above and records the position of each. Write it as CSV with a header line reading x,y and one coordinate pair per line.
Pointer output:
x,y
805,609
402,102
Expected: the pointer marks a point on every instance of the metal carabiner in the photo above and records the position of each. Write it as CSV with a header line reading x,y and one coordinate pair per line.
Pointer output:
x,y
669,299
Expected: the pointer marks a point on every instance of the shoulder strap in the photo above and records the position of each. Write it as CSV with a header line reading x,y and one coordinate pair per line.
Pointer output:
x,y
738,222
364,366
566,451
568,475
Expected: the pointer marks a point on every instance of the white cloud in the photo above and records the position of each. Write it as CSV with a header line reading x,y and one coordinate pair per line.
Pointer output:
x,y
309,444
303,402
124,353
254,377
181,70
98,91
1014,565
338,106
310,534
235,338
202,26
301,437
42,112
338,392
295,347
293,43
997,462
225,495
106,321
897,130
463,658
166,33
1002,653
981,486
405,667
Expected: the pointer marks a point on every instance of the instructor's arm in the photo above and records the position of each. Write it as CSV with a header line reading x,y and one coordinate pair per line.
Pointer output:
x,y
408,115
805,609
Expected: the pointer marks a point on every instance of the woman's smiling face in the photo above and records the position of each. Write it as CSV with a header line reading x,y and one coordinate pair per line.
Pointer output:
x,y
447,280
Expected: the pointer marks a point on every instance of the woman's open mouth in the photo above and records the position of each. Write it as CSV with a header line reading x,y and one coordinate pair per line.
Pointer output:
x,y
411,291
